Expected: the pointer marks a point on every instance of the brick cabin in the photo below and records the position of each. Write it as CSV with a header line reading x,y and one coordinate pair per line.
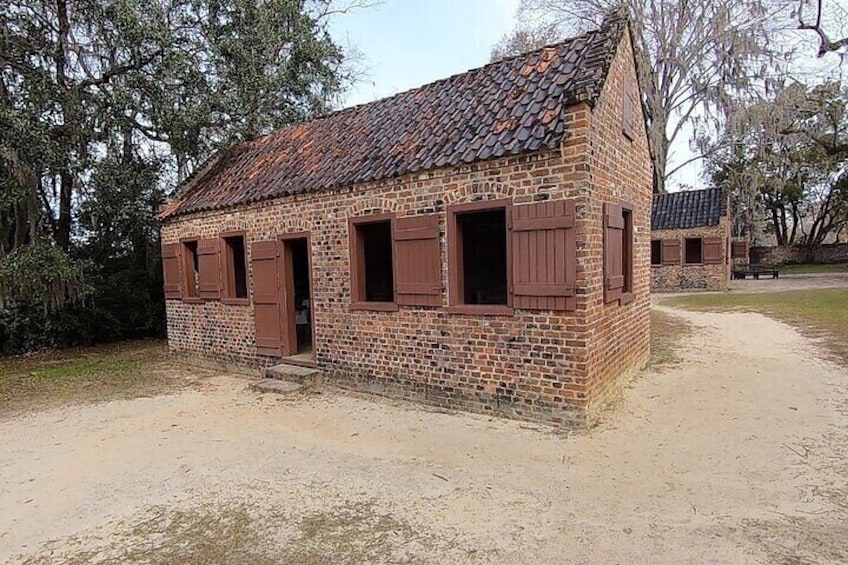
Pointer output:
x,y
691,248
479,243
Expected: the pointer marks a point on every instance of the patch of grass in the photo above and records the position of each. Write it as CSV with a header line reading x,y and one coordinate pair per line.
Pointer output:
x,y
812,268
667,331
92,374
820,313
240,532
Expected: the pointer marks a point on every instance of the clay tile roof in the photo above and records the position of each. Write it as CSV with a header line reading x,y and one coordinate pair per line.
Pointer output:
x,y
687,209
509,107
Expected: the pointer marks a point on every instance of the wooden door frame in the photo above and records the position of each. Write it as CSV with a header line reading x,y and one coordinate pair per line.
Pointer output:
x,y
286,286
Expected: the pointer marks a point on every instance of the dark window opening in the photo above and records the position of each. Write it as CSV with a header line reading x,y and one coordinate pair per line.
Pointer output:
x,y
627,250
375,247
484,262
191,266
656,252
694,250
236,267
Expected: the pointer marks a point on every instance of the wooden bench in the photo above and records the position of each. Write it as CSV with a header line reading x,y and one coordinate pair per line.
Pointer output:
x,y
742,271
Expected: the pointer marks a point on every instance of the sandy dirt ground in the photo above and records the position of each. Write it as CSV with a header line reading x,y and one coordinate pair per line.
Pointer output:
x,y
739,455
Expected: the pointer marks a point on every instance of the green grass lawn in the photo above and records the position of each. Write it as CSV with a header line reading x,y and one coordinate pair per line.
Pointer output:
x,y
812,268
91,374
819,313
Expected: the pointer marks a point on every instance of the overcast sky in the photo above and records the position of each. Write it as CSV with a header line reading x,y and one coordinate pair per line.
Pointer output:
x,y
408,43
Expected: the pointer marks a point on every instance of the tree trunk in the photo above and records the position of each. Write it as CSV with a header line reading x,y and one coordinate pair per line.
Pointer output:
x,y
63,225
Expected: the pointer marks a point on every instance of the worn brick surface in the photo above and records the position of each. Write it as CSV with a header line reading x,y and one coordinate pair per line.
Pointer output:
x,y
539,365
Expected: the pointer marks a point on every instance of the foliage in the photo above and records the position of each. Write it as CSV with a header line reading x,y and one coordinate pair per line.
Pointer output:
x,y
41,275
692,56
103,104
524,39
782,161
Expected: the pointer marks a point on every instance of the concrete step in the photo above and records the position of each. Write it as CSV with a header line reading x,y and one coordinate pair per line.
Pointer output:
x,y
276,386
306,376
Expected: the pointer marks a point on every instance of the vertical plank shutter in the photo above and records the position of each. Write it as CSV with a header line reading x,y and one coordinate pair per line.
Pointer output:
x,y
209,269
713,250
613,252
544,251
171,270
630,108
739,250
264,260
418,261
671,252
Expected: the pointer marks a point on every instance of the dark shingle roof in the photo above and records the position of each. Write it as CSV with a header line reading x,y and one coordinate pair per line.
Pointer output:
x,y
510,107
687,209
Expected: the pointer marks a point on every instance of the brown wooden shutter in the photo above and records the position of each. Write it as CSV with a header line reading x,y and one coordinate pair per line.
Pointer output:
x,y
739,250
544,256
713,250
630,112
418,270
613,252
264,260
671,254
171,270
209,269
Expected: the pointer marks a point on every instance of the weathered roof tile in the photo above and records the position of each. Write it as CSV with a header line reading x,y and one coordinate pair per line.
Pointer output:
x,y
510,107
687,209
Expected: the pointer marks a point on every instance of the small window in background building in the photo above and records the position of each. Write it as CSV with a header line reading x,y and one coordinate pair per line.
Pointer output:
x,y
236,265
374,262
656,252
694,251
482,237
191,269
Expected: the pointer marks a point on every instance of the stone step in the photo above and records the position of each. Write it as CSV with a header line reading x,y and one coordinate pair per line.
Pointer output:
x,y
276,386
306,376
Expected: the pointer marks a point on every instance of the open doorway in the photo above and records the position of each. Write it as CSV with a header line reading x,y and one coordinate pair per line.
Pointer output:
x,y
298,310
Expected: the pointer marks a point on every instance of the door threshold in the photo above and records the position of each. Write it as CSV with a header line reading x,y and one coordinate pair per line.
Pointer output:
x,y
300,361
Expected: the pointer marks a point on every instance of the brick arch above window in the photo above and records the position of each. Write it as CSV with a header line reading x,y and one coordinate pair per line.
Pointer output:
x,y
372,205
479,191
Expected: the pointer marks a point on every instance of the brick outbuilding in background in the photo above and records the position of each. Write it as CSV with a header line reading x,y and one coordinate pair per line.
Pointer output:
x,y
479,243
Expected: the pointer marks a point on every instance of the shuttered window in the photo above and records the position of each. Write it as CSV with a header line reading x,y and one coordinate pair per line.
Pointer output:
x,y
656,252
671,254
739,250
618,253
372,270
713,250
418,261
544,253
264,260
171,270
190,270
209,269
694,251
479,258
234,267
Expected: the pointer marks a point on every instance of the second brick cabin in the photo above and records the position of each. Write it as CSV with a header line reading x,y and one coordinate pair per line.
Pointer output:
x,y
479,243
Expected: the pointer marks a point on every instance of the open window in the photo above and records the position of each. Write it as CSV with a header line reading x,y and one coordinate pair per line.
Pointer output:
x,y
235,268
694,251
372,263
191,269
479,257
618,253
656,253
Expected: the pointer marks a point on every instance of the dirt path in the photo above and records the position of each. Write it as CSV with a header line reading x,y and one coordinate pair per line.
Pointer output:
x,y
740,456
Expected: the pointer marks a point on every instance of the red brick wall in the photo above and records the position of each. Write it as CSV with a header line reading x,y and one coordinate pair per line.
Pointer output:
x,y
619,170
530,365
